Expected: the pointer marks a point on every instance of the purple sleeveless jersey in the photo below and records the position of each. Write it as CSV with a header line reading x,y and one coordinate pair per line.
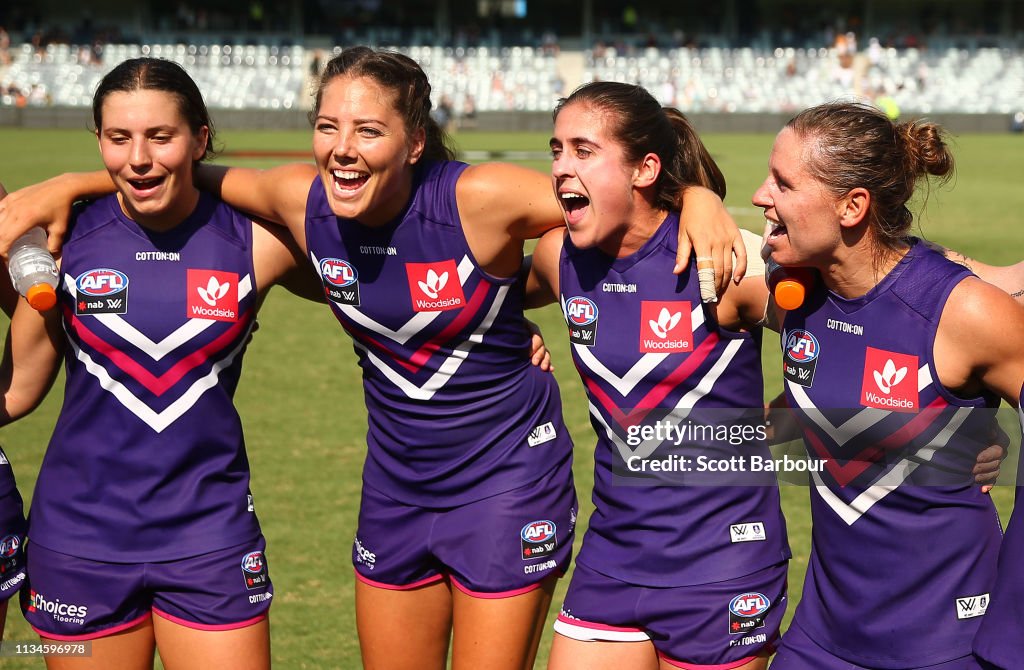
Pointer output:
x,y
650,357
456,411
999,640
904,544
12,531
147,460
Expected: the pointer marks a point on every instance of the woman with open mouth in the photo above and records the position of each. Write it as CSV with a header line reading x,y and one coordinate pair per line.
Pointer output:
x,y
143,530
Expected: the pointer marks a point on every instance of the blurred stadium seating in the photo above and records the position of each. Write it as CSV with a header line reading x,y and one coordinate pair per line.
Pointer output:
x,y
524,78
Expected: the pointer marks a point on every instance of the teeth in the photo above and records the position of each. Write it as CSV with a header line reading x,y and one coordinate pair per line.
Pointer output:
x,y
569,196
346,174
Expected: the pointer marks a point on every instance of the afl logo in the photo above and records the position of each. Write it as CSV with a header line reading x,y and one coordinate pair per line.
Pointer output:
x,y
801,346
538,531
9,546
749,604
581,311
102,282
338,272
253,562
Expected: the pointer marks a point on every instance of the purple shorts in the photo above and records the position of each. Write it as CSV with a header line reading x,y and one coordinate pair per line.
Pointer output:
x,y
721,625
497,547
70,598
12,533
797,651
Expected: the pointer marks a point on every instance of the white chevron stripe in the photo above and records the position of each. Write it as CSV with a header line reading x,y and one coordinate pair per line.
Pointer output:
x,y
644,365
450,365
679,413
156,350
417,323
892,479
857,423
158,421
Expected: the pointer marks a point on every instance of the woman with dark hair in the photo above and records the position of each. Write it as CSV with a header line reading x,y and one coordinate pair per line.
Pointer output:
x,y
468,505
895,363
680,568
142,506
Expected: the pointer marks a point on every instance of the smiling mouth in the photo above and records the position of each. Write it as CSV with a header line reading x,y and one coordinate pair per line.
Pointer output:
x,y
145,184
349,180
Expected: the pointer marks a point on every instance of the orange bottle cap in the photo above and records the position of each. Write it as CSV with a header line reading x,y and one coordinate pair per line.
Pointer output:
x,y
41,296
789,294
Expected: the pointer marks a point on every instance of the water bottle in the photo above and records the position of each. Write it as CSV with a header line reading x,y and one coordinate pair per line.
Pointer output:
x,y
33,270
789,286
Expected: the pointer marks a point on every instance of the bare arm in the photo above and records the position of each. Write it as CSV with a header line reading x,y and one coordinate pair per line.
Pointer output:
x,y
48,204
277,260
30,363
977,343
277,195
542,282
502,205
1009,278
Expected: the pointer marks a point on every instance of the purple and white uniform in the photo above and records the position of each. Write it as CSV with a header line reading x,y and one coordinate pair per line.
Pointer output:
x,y
12,532
998,641
147,460
456,411
904,544
651,358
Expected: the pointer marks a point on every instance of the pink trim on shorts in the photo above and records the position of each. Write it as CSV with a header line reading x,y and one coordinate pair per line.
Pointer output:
x,y
92,636
209,626
698,666
593,625
495,595
398,587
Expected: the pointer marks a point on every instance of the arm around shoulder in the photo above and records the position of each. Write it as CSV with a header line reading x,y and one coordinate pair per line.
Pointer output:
x,y
277,195
508,200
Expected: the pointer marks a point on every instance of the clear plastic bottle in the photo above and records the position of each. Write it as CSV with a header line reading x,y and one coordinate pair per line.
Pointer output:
x,y
33,270
789,286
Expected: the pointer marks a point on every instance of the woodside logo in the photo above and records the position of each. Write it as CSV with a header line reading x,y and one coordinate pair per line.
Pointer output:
x,y
212,294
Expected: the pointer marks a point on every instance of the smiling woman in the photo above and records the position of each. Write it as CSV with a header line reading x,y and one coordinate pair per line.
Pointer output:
x,y
142,506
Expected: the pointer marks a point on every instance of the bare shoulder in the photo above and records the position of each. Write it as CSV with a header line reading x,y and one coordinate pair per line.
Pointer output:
x,y
507,195
977,339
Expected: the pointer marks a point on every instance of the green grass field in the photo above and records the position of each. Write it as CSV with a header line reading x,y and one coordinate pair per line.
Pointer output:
x,y
301,398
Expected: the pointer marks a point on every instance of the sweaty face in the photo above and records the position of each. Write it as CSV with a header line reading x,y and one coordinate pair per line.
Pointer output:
x,y
364,151
149,150
802,216
590,178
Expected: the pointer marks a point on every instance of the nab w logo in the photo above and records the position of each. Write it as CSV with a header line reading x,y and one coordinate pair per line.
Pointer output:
x,y
341,281
972,606
581,317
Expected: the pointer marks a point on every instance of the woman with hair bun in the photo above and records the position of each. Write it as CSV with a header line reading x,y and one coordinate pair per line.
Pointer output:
x,y
899,359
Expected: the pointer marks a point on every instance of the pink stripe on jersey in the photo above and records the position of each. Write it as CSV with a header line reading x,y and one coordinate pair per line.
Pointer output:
x,y
156,385
659,391
467,313
210,627
95,635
